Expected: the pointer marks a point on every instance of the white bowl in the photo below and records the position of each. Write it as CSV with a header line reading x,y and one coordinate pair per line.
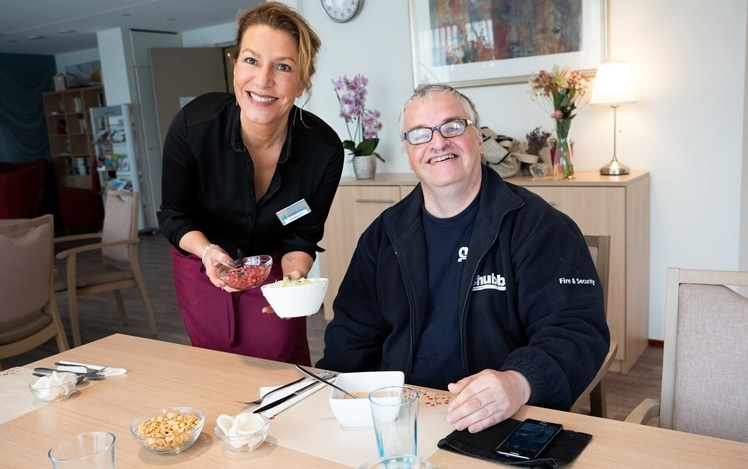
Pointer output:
x,y
234,446
357,412
292,299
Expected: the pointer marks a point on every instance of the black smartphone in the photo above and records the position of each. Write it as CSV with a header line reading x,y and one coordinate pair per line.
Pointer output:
x,y
529,439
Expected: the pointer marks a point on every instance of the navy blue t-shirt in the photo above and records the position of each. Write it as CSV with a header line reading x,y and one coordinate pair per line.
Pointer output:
x,y
437,361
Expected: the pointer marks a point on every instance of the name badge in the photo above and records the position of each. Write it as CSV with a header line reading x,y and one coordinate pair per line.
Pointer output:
x,y
293,212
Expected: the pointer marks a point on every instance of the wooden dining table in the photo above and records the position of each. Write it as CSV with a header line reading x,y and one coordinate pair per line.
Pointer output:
x,y
305,435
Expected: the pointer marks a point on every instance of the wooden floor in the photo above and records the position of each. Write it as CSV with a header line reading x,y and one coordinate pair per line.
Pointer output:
x,y
99,318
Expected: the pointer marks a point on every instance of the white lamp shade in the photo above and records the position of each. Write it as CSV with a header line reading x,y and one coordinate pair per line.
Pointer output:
x,y
614,84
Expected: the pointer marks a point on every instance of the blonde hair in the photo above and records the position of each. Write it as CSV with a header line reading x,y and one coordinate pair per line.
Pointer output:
x,y
284,18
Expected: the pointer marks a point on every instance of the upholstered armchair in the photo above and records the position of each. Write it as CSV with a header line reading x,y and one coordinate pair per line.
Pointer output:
x,y
704,367
22,189
81,208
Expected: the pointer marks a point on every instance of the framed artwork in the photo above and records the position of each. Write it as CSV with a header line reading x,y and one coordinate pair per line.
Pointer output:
x,y
467,43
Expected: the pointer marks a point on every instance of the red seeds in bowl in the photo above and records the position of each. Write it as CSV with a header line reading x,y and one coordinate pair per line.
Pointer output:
x,y
253,272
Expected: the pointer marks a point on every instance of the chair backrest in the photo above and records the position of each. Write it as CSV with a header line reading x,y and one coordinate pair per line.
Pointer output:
x,y
27,263
705,370
120,223
599,246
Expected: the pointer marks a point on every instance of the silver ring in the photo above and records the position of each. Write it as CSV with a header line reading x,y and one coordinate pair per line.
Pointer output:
x,y
223,288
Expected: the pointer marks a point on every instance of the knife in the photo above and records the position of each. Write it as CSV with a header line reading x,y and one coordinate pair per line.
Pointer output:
x,y
286,398
323,380
48,371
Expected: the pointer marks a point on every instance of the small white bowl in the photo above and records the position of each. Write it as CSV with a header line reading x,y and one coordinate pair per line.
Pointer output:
x,y
294,299
357,412
54,388
234,446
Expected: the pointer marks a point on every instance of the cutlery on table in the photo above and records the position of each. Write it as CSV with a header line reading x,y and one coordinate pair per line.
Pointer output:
x,y
88,369
323,380
285,398
259,401
48,372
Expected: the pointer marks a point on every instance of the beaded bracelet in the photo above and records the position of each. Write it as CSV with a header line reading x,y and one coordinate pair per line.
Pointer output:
x,y
205,251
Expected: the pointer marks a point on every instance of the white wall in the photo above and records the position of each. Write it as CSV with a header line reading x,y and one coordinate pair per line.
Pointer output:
x,y
687,128
75,58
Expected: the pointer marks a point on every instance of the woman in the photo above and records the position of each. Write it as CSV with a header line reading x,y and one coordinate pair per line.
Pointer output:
x,y
230,163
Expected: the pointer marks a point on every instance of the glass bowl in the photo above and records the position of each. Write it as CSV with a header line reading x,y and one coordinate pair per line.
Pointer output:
x,y
235,445
55,387
249,273
168,431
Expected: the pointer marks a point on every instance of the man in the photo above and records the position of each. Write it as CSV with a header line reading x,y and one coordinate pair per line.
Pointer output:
x,y
470,284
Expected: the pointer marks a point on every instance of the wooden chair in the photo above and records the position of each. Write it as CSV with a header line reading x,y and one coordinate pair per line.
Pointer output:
x,y
28,315
600,251
704,368
118,267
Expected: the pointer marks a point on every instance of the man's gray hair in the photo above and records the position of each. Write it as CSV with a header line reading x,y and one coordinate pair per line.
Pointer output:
x,y
428,90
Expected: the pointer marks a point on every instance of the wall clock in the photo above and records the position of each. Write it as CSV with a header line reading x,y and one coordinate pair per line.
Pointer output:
x,y
341,11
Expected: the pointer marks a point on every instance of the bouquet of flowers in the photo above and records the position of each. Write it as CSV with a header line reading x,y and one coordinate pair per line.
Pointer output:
x,y
559,92
351,93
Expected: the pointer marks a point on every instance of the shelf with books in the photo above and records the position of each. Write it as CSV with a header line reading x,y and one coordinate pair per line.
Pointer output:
x,y
70,136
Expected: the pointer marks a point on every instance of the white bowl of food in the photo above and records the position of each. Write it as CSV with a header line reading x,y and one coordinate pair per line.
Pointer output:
x,y
296,298
241,434
357,412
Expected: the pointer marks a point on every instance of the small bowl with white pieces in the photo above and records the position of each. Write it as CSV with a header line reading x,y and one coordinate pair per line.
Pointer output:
x,y
357,412
55,387
241,434
295,298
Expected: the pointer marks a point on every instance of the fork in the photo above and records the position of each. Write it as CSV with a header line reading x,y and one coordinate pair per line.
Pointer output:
x,y
88,369
326,374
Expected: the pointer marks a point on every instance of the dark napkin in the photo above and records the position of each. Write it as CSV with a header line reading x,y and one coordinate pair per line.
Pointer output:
x,y
562,450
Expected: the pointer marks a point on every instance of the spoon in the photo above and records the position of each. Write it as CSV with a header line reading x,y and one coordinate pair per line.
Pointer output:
x,y
323,380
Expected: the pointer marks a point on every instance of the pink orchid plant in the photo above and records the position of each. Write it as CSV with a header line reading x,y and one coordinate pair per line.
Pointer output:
x,y
351,93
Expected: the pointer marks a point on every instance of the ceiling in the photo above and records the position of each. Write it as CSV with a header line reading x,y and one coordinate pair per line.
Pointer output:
x,y
66,26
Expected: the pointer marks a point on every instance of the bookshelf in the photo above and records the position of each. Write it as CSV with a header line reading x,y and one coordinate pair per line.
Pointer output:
x,y
70,133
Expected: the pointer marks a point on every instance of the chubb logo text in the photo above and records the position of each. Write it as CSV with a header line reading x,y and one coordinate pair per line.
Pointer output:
x,y
489,282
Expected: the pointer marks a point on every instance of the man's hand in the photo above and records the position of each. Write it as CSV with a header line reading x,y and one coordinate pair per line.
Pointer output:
x,y
486,398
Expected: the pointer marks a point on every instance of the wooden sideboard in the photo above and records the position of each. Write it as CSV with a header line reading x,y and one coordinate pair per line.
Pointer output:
x,y
357,203
613,205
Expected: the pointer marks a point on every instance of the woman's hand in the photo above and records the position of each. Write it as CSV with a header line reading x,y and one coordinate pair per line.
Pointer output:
x,y
291,276
213,257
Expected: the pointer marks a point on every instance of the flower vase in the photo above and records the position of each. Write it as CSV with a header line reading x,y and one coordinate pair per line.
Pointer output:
x,y
365,167
563,167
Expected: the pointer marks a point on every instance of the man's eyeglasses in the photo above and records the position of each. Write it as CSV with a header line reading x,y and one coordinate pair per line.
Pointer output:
x,y
449,129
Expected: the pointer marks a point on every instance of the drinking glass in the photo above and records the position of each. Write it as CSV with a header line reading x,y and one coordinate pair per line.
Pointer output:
x,y
93,450
394,410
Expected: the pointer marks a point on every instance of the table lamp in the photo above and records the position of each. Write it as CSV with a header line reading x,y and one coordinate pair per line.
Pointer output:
x,y
614,86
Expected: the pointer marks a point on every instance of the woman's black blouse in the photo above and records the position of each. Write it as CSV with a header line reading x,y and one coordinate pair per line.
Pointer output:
x,y
208,180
